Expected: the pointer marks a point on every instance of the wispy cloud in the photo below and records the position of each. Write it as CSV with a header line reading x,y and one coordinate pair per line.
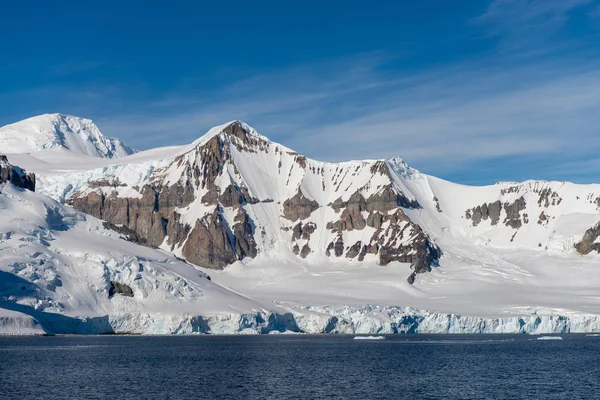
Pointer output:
x,y
442,121
538,17
513,113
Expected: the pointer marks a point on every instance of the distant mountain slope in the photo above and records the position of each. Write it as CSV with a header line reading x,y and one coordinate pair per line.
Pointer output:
x,y
66,272
234,195
332,243
50,131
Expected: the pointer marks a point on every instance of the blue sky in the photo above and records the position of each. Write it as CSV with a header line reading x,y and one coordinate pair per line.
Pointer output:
x,y
471,91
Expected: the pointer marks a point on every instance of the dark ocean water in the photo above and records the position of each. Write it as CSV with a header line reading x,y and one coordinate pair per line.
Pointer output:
x,y
300,367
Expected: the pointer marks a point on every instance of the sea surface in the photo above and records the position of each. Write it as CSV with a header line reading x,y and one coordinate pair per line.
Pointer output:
x,y
300,367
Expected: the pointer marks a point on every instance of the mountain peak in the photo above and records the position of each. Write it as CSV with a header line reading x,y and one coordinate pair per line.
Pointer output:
x,y
49,131
401,168
235,128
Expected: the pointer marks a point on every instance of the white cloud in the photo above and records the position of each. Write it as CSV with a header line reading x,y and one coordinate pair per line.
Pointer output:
x,y
518,16
441,121
520,105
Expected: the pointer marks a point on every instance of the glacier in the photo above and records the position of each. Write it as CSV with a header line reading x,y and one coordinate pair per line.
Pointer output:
x,y
508,262
347,320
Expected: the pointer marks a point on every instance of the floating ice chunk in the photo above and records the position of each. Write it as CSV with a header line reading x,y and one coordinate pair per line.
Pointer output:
x,y
550,338
369,337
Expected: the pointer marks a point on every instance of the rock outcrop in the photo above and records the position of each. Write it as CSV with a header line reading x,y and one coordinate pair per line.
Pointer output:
x,y
119,288
204,205
484,212
513,213
299,207
15,175
395,238
493,211
588,242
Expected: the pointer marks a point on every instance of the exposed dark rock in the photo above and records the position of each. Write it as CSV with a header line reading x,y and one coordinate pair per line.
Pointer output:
x,y
388,199
329,248
119,288
152,216
351,217
126,233
299,207
549,197
513,213
587,244
234,196
308,230
379,168
375,219
92,203
420,252
212,244
114,183
243,236
338,247
511,189
303,231
297,231
484,212
385,200
208,244
377,205
305,251
437,204
15,175
354,250
177,195
301,160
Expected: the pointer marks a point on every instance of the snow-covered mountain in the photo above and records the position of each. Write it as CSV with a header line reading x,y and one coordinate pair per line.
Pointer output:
x,y
59,131
234,194
332,247
63,271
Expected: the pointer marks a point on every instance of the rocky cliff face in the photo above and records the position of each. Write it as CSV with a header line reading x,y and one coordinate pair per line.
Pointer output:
x,y
15,175
235,195
589,241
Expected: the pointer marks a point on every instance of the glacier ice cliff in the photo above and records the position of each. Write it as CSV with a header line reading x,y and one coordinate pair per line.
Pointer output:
x,y
308,320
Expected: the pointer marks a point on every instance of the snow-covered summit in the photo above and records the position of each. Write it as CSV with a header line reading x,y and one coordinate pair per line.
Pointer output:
x,y
401,168
225,132
340,243
50,131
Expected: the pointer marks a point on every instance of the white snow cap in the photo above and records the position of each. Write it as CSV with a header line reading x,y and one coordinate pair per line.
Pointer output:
x,y
401,168
49,131
218,130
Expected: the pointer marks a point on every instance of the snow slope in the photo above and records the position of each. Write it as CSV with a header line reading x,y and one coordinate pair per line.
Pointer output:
x,y
58,265
59,131
508,261
261,194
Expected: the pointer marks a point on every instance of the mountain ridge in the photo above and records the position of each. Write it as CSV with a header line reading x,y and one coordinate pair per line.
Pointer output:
x,y
332,245
217,165
213,194
51,131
